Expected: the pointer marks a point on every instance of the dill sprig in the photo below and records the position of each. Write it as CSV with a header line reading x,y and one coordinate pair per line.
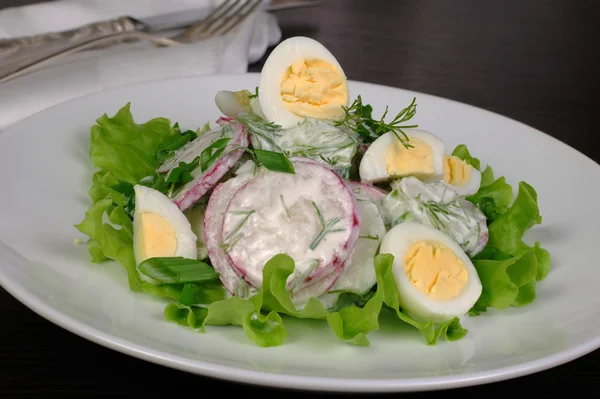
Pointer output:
x,y
285,208
359,118
233,237
440,213
299,276
326,227
255,95
369,237
261,131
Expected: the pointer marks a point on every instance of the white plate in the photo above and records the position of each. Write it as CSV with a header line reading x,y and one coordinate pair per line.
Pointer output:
x,y
45,173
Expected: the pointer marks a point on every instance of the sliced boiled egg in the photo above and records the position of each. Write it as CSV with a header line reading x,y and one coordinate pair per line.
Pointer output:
x,y
302,79
233,103
436,280
388,158
460,176
160,229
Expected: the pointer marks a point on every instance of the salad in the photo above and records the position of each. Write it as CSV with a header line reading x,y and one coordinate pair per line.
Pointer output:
x,y
298,201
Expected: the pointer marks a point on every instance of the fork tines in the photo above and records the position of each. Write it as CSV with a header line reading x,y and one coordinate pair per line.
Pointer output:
x,y
222,19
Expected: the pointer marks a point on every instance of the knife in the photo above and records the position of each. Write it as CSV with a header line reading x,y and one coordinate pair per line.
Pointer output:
x,y
16,55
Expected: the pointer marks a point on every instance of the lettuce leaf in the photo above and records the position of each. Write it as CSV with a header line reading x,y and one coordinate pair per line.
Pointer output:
x,y
260,315
506,282
126,149
122,151
508,267
461,151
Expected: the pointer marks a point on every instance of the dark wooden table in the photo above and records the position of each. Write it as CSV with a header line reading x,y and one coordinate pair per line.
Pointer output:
x,y
529,60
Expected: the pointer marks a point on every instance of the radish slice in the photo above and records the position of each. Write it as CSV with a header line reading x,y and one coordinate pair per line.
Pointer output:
x,y
359,272
275,213
315,290
213,222
368,191
191,192
372,193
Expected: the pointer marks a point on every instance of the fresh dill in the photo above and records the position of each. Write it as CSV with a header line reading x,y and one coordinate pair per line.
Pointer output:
x,y
326,227
233,237
369,237
287,212
301,276
263,133
255,95
359,118
440,213
332,161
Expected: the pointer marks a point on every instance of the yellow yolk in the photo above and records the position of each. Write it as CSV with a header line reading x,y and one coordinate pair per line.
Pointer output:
x,y
456,171
314,89
435,270
158,238
401,161
243,98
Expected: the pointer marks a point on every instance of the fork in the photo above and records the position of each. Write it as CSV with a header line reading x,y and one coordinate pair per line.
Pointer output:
x,y
26,56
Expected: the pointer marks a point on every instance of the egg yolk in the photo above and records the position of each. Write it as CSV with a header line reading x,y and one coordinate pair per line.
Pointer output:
x,y
243,98
314,89
158,238
435,270
401,161
456,171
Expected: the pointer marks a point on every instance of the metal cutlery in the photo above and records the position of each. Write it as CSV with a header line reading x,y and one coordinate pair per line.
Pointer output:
x,y
21,55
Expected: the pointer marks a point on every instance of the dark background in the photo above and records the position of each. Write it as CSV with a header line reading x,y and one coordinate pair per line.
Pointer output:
x,y
529,60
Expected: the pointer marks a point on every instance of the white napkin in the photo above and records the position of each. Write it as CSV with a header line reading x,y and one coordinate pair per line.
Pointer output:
x,y
96,70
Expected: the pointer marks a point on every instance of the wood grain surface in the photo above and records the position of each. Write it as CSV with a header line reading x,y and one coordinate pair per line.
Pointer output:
x,y
532,61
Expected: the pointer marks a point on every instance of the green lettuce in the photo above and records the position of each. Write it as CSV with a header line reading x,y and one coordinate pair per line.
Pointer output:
x,y
261,315
508,267
121,151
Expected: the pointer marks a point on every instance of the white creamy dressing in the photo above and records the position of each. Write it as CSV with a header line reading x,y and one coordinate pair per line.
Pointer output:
x,y
446,211
359,271
285,221
195,216
319,140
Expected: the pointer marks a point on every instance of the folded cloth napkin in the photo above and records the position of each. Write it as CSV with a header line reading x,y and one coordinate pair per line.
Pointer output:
x,y
95,70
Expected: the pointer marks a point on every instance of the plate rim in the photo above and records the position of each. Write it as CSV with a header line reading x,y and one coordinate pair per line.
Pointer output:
x,y
285,380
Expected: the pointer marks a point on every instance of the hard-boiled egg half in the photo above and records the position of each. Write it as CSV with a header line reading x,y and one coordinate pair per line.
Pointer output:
x,y
460,176
436,280
160,229
388,158
302,79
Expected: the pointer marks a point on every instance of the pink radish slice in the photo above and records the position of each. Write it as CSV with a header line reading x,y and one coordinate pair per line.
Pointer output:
x,y
224,120
213,222
274,213
191,192
367,190
300,297
359,272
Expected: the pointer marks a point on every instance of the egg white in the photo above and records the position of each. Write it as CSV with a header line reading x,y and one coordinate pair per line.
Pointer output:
x,y
153,201
400,239
373,168
468,188
228,104
280,59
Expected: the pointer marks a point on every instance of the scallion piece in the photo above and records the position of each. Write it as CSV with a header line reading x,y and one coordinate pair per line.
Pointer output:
x,y
172,270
